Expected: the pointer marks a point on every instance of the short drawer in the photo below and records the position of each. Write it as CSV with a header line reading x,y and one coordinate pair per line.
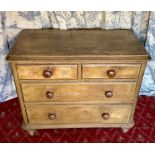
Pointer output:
x,y
78,114
108,92
103,71
44,72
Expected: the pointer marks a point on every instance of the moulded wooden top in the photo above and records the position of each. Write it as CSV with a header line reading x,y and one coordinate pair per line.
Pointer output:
x,y
77,44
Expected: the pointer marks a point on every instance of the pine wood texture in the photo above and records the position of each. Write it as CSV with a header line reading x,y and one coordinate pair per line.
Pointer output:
x,y
78,114
77,78
77,44
36,71
100,71
123,92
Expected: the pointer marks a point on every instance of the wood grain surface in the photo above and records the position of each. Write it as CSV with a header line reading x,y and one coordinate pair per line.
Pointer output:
x,y
77,44
36,71
100,70
123,92
76,114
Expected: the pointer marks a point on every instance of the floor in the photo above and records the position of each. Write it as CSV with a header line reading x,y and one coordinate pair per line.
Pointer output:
x,y
143,131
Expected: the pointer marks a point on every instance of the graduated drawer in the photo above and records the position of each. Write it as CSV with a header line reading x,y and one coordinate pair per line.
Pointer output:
x,y
47,72
108,92
116,71
78,114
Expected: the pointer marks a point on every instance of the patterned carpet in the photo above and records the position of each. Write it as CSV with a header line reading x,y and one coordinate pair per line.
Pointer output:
x,y
144,130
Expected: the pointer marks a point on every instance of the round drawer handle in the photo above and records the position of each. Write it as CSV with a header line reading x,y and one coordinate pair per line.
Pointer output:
x,y
49,94
105,116
52,116
108,94
47,73
111,73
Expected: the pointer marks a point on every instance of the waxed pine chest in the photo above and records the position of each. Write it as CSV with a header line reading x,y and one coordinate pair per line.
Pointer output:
x,y
77,78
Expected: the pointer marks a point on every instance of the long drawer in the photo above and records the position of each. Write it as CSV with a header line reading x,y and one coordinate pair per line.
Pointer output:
x,y
107,92
78,114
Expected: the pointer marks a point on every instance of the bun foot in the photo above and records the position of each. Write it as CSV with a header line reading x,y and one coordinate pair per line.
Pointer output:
x,y
31,132
128,127
124,130
28,129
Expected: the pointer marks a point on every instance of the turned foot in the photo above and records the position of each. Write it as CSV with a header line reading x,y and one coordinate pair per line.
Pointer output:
x,y
31,132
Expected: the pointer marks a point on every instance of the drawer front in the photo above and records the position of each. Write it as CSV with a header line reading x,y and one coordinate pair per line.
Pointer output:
x,y
78,114
47,71
115,71
109,92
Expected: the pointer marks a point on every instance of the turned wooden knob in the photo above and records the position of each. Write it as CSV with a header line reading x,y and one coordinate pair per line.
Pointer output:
x,y
108,94
52,116
105,116
47,73
111,73
49,94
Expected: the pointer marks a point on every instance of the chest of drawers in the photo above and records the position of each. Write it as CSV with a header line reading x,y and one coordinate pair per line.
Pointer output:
x,y
77,78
